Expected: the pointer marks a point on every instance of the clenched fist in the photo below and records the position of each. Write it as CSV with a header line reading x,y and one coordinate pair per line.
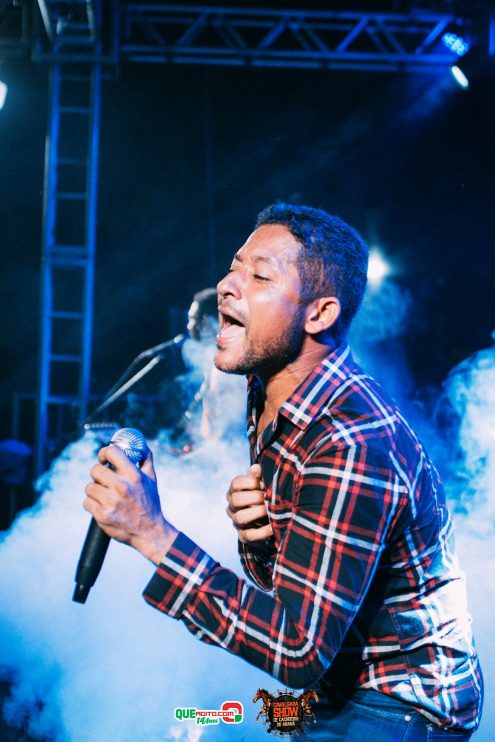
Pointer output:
x,y
247,508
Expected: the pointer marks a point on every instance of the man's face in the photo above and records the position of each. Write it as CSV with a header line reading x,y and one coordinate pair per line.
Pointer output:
x,y
261,320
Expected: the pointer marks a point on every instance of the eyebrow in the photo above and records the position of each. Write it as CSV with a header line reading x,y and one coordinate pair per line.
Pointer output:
x,y
257,259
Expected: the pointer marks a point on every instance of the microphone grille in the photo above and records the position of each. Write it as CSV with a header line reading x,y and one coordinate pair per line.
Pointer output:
x,y
132,442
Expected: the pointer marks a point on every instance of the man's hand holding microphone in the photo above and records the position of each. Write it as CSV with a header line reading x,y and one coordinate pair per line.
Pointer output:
x,y
124,502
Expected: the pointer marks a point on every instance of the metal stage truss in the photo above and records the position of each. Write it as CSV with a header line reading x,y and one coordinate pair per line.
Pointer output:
x,y
282,38
82,40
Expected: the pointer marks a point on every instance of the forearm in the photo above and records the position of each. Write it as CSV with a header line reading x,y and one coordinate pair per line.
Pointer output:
x,y
220,608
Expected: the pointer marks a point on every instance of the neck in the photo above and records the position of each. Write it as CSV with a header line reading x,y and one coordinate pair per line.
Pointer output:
x,y
280,386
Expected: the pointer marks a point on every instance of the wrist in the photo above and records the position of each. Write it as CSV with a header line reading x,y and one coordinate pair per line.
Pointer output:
x,y
156,542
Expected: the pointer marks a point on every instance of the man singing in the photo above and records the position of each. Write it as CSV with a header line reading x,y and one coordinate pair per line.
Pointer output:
x,y
341,518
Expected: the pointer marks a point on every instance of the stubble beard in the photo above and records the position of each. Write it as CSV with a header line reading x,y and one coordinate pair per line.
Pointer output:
x,y
264,361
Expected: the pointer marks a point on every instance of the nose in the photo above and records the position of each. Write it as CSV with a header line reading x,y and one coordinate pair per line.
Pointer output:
x,y
229,285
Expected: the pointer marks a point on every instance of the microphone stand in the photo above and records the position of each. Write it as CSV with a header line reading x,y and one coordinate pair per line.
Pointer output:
x,y
119,388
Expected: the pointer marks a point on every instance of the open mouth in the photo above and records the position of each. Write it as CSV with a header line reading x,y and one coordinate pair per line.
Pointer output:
x,y
231,327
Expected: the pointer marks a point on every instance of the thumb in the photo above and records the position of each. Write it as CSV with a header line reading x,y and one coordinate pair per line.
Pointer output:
x,y
147,467
255,470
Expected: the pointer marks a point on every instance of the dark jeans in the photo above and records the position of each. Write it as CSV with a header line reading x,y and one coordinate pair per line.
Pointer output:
x,y
374,717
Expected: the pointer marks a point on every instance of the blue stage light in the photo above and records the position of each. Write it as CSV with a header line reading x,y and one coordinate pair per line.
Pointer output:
x,y
378,268
459,77
456,44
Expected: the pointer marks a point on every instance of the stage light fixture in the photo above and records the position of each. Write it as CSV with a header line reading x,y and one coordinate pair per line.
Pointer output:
x,y
456,44
466,70
459,77
3,93
378,268
459,47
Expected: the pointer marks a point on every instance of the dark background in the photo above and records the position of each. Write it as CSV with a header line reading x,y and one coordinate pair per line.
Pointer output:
x,y
188,157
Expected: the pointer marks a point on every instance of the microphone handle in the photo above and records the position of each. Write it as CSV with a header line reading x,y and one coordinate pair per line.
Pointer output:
x,y
90,562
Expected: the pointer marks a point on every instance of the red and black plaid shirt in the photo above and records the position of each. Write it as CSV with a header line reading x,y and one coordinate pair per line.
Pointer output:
x,y
360,585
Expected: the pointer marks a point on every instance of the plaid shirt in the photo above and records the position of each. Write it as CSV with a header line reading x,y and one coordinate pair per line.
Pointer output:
x,y
360,585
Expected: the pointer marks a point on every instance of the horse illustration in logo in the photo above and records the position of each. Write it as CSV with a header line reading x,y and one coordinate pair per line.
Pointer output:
x,y
286,713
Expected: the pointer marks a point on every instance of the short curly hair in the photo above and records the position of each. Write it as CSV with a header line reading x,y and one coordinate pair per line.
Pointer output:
x,y
333,260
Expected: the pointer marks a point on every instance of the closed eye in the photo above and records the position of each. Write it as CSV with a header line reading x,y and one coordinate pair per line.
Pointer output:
x,y
260,278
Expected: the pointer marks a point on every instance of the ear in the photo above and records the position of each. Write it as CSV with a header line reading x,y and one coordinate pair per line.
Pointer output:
x,y
321,314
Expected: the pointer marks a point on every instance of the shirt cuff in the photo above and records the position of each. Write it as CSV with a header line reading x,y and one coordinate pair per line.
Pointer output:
x,y
183,570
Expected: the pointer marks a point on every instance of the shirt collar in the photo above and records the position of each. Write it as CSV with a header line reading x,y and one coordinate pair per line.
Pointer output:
x,y
308,399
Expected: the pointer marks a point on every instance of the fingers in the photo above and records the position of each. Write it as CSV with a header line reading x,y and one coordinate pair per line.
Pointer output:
x,y
102,513
92,491
243,484
114,456
103,475
101,495
251,535
251,516
251,523
245,499
111,482
246,516
97,501
247,507
121,464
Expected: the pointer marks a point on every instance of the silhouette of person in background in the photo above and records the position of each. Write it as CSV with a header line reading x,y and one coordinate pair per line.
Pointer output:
x,y
218,407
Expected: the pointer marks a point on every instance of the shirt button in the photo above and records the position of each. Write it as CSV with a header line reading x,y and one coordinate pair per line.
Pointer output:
x,y
407,717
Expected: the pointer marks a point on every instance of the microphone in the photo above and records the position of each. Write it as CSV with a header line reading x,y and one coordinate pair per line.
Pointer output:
x,y
158,349
133,443
156,353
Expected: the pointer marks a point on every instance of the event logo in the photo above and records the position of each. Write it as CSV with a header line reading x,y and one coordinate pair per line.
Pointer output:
x,y
231,712
286,713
